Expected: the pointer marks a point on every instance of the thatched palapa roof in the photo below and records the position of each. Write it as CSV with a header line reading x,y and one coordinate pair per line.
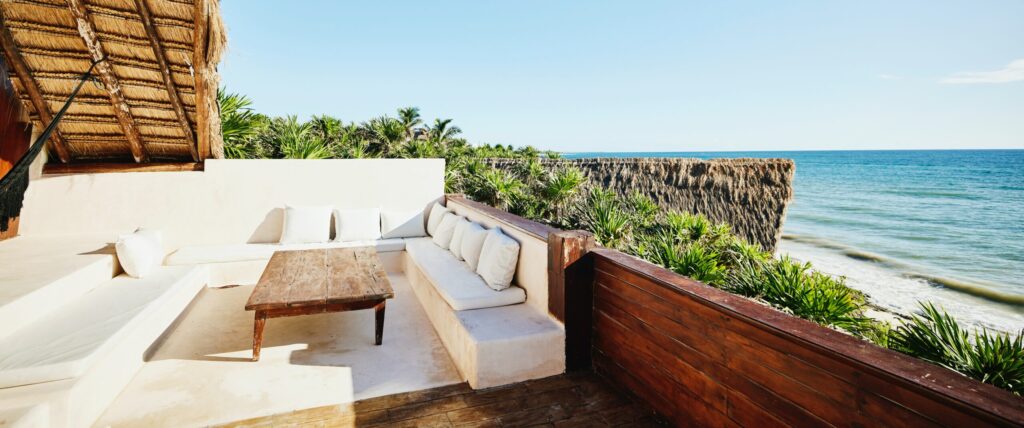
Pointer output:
x,y
155,99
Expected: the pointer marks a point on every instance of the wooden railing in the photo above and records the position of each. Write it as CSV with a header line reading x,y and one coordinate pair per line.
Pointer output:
x,y
704,357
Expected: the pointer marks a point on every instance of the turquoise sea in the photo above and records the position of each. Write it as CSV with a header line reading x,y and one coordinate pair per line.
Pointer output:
x,y
904,226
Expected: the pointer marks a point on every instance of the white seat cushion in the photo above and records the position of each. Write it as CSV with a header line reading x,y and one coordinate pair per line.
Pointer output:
x,y
306,224
357,224
459,286
246,252
66,342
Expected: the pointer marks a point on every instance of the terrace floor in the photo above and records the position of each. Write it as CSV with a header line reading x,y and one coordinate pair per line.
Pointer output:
x,y
201,373
582,399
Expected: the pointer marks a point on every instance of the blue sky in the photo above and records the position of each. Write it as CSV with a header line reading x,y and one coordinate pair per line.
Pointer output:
x,y
647,76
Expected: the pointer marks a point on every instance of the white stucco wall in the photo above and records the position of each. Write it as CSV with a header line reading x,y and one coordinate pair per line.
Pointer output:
x,y
231,201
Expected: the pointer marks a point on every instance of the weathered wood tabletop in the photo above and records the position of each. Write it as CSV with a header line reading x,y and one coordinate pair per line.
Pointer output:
x,y
316,281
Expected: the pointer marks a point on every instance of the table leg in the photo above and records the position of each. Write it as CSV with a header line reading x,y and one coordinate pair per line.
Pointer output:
x,y
257,334
379,309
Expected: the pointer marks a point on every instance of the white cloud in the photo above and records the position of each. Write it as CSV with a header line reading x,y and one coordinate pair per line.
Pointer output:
x,y
884,76
1014,72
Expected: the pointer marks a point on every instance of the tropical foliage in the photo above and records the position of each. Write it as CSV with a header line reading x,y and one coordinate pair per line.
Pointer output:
x,y
686,243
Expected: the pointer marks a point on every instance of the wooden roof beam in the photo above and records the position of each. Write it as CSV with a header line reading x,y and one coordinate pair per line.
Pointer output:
x,y
109,79
165,71
13,55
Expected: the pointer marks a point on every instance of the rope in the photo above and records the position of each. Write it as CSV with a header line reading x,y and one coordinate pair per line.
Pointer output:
x,y
15,183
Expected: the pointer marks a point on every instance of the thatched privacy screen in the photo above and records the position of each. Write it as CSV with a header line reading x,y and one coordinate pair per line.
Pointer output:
x,y
155,99
750,194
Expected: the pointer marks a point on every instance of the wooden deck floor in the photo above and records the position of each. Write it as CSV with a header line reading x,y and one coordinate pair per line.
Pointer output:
x,y
583,400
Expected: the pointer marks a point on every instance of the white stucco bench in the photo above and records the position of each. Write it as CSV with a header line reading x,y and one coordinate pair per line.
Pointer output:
x,y
493,337
81,355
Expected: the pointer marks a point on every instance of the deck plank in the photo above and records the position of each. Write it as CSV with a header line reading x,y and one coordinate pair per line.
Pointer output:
x,y
583,399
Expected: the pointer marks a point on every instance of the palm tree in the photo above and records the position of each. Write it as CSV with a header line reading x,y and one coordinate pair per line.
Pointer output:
x,y
238,124
443,134
410,118
326,127
296,142
387,133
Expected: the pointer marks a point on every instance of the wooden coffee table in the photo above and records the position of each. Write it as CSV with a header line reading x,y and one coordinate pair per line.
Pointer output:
x,y
318,281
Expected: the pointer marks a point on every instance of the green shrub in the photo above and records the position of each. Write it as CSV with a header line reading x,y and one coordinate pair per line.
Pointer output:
x,y
808,294
935,336
604,216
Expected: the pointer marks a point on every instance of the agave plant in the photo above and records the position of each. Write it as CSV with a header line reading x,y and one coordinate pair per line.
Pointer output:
x,y
643,209
935,336
604,216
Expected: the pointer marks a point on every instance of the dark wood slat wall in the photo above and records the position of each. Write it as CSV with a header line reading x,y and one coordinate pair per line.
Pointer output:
x,y
704,357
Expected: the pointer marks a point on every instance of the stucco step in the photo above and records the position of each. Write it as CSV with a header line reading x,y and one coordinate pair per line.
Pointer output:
x,y
41,274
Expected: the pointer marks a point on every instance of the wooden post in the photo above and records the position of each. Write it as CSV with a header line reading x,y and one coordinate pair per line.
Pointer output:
x,y
570,292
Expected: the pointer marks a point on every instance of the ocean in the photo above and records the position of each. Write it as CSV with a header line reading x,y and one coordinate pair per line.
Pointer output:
x,y
945,226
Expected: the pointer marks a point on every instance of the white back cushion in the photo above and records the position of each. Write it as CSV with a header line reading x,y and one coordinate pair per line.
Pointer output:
x,y
456,245
303,225
140,253
402,224
437,212
472,242
498,260
357,224
445,230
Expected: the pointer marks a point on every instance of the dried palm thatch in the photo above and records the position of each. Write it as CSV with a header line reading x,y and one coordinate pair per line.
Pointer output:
x,y
750,194
155,96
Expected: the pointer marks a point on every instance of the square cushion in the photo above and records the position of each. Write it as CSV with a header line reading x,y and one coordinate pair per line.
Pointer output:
x,y
456,245
472,242
140,253
304,225
445,230
402,224
437,212
357,224
498,260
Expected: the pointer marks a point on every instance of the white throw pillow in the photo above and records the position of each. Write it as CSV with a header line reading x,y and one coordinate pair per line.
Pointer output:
x,y
472,242
456,245
402,224
445,230
140,253
437,212
498,260
304,225
357,224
